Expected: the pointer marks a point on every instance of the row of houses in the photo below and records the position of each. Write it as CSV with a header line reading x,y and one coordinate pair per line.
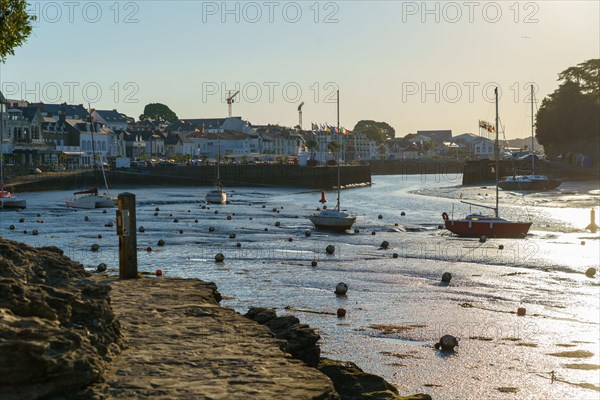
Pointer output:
x,y
70,135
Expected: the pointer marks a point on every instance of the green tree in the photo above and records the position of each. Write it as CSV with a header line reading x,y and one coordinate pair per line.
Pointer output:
x,y
159,111
384,131
15,26
312,146
569,119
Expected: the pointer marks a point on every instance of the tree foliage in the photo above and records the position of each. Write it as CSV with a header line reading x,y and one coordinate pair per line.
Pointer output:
x,y
377,131
158,111
569,119
15,26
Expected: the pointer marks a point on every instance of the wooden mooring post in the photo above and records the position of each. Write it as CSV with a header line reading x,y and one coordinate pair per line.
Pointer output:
x,y
126,230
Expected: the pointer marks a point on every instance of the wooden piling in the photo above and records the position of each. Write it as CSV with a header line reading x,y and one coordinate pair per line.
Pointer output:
x,y
126,230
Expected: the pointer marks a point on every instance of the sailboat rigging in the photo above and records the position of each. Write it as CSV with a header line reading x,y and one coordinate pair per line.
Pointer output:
x,y
90,198
532,182
217,195
338,219
477,225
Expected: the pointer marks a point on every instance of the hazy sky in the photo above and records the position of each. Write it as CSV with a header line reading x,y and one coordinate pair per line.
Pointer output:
x,y
416,65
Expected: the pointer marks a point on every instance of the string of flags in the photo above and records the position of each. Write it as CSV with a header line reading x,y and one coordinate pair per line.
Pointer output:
x,y
329,128
487,126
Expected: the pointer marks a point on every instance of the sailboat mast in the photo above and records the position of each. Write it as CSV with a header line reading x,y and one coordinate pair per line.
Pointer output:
x,y
338,161
496,153
532,127
93,146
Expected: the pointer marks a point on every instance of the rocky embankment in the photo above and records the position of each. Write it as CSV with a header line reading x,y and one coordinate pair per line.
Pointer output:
x,y
57,329
63,337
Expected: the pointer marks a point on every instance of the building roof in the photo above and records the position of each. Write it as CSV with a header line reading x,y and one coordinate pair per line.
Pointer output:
x,y
64,108
111,116
438,136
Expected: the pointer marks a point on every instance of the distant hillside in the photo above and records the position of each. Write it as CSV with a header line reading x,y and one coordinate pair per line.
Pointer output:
x,y
524,142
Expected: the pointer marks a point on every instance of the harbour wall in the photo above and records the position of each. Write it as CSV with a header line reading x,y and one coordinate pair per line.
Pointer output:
x,y
320,177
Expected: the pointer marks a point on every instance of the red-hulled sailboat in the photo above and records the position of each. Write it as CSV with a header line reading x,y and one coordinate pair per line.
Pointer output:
x,y
477,225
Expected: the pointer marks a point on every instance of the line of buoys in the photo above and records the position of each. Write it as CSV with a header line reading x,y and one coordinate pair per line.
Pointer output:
x,y
341,289
330,249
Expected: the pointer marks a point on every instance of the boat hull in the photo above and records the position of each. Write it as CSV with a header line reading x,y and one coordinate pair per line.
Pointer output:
x,y
13,203
91,202
491,229
332,223
530,186
216,197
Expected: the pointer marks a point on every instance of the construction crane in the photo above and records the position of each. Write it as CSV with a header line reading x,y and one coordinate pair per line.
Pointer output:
x,y
300,115
230,100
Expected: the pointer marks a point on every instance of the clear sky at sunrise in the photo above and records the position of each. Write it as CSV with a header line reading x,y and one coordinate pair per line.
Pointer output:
x,y
416,65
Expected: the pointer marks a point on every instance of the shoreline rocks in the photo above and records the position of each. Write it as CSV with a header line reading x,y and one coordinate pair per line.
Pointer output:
x,y
301,341
57,330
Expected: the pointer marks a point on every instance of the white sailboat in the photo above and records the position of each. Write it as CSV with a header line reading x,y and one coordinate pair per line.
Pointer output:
x,y
532,182
217,195
337,219
7,199
91,198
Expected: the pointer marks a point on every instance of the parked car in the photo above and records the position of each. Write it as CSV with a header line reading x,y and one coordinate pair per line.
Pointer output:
x,y
528,157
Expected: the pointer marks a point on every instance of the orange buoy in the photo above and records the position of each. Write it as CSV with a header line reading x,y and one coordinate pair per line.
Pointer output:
x,y
322,198
148,248
341,312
